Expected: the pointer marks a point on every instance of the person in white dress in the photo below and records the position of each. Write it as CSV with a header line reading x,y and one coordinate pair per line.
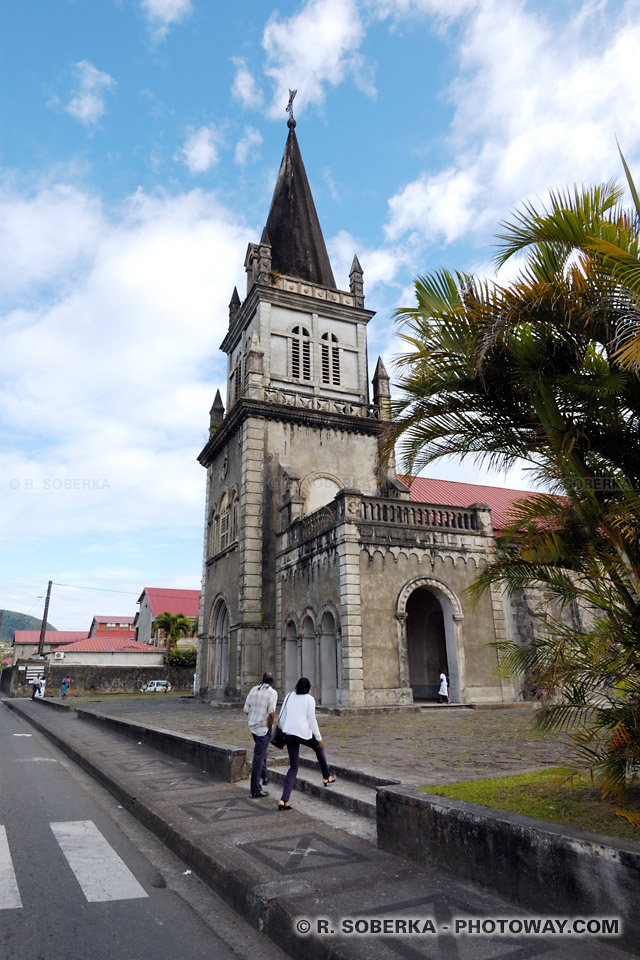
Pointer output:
x,y
443,692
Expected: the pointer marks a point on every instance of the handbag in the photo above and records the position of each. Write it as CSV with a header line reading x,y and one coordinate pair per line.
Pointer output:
x,y
280,738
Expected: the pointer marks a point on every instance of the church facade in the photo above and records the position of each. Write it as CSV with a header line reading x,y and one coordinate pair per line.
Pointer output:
x,y
317,562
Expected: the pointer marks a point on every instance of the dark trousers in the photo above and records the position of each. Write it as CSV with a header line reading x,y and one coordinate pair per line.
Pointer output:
x,y
293,749
259,762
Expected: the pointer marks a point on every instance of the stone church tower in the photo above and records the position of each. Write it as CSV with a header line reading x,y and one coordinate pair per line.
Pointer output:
x,y
315,562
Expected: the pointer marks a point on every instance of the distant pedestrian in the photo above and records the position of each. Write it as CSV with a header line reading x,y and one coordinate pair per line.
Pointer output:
x,y
67,680
43,687
298,722
63,688
260,705
443,692
36,687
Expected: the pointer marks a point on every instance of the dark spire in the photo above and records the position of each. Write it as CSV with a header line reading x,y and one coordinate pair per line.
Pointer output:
x,y
216,414
297,245
234,305
381,387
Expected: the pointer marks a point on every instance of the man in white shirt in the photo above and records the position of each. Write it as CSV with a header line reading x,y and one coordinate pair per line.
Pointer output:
x,y
260,705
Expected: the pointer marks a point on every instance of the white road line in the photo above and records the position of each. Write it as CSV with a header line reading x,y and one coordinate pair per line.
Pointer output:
x,y
36,760
97,867
9,893
23,734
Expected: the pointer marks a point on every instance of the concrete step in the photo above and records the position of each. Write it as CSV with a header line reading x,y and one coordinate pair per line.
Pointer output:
x,y
353,797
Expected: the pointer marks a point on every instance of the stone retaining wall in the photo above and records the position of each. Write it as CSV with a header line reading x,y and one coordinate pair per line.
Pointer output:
x,y
549,869
220,759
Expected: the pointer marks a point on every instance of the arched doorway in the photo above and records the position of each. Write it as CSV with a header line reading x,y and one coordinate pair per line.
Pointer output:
x,y
291,657
309,650
426,643
328,661
219,648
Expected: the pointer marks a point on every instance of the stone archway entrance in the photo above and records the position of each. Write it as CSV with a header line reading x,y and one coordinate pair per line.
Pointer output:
x,y
430,620
426,644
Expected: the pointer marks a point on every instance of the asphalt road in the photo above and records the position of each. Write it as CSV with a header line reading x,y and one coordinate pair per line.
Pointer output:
x,y
81,879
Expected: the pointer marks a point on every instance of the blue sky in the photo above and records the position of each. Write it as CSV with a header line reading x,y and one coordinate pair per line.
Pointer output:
x,y
141,143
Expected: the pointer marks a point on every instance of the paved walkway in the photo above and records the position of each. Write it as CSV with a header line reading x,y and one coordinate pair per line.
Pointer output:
x,y
294,877
433,745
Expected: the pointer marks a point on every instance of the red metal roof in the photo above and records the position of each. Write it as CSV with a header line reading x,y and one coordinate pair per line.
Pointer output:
x,y
54,637
160,599
453,494
109,644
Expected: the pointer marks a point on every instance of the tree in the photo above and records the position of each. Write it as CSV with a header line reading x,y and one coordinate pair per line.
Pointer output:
x,y
174,626
533,370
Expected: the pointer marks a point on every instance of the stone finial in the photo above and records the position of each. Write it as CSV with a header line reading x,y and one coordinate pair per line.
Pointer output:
x,y
355,282
234,305
251,264
216,414
381,390
264,258
254,368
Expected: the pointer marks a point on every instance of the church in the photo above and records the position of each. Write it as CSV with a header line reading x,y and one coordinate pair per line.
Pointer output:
x,y
318,560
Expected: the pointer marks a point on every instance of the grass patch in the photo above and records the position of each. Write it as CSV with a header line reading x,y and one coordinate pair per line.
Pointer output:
x,y
557,795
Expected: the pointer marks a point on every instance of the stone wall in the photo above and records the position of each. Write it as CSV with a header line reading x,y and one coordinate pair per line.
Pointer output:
x,y
89,680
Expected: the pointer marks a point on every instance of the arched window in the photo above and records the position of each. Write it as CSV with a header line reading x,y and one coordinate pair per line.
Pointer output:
x,y
224,522
330,354
300,354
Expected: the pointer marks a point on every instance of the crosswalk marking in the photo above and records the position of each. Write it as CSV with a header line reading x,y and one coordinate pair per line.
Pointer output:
x,y
99,870
9,893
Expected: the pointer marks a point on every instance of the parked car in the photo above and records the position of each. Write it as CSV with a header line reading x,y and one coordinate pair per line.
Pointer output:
x,y
156,686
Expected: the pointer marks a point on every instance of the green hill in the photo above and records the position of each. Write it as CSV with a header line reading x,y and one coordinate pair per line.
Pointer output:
x,y
18,621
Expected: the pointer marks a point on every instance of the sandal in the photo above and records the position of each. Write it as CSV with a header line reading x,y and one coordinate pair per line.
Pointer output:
x,y
282,805
331,780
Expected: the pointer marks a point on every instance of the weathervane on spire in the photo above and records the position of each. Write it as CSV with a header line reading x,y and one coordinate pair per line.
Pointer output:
x,y
291,122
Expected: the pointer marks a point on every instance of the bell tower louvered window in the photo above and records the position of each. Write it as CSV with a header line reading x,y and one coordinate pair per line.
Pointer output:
x,y
330,356
300,354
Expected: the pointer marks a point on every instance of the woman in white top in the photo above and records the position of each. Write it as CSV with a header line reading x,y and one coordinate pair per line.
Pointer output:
x,y
299,724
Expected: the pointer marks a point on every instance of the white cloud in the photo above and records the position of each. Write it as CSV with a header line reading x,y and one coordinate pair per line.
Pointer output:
x,y
45,235
315,47
200,150
244,87
247,146
161,14
87,103
535,107
113,379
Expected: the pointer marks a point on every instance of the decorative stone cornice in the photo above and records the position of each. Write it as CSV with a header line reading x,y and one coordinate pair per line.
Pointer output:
x,y
323,419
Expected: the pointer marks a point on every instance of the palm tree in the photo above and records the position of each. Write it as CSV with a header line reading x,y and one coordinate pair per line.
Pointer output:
x,y
174,626
533,371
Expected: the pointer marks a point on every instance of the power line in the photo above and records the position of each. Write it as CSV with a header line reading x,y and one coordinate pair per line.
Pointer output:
x,y
76,586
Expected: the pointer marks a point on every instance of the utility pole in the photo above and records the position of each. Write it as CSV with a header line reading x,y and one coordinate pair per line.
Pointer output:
x,y
44,622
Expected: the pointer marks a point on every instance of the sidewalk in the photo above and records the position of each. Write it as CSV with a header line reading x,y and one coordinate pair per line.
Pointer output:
x,y
285,871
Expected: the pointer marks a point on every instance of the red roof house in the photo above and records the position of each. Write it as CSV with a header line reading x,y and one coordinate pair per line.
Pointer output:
x,y
108,651
155,601
25,642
